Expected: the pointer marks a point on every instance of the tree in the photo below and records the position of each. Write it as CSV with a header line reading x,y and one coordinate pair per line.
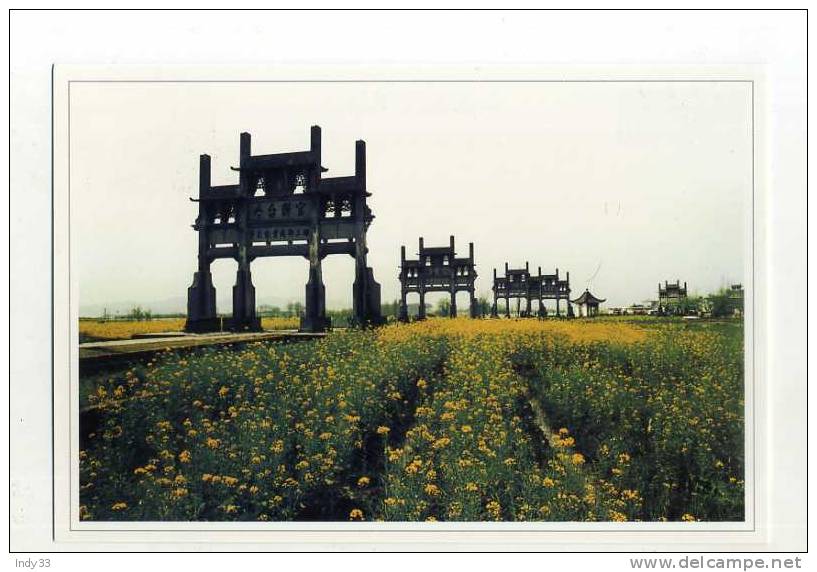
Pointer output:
x,y
390,308
483,306
266,310
444,307
294,308
138,314
724,303
688,305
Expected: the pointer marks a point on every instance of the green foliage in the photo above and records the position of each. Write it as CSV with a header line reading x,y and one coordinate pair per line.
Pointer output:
x,y
483,306
672,407
139,314
484,420
390,308
444,307
268,433
267,311
294,309
725,303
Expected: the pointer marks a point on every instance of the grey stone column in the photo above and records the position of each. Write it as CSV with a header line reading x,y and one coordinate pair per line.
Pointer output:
x,y
360,290
402,313
201,295
314,318
494,309
421,314
244,292
365,291
244,300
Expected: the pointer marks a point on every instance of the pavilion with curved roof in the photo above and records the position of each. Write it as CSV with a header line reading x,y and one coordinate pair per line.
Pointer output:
x,y
587,304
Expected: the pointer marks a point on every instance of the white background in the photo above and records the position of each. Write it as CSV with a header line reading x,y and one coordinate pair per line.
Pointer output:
x,y
775,40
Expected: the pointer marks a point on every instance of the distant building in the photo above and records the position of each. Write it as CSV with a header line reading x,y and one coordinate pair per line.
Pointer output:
x,y
648,307
736,299
671,293
522,285
671,296
637,310
587,304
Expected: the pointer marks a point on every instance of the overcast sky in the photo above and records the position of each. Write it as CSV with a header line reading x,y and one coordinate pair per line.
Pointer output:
x,y
624,185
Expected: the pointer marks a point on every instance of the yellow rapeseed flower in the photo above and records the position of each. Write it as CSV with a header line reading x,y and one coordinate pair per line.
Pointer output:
x,y
688,518
629,494
441,443
494,509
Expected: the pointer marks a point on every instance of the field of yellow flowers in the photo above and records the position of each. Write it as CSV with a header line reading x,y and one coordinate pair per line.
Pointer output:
x,y
98,330
464,420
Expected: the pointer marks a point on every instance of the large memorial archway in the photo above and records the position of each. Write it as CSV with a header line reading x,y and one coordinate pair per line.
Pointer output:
x,y
282,206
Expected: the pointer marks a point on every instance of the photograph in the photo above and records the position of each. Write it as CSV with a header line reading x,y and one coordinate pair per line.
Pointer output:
x,y
411,301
